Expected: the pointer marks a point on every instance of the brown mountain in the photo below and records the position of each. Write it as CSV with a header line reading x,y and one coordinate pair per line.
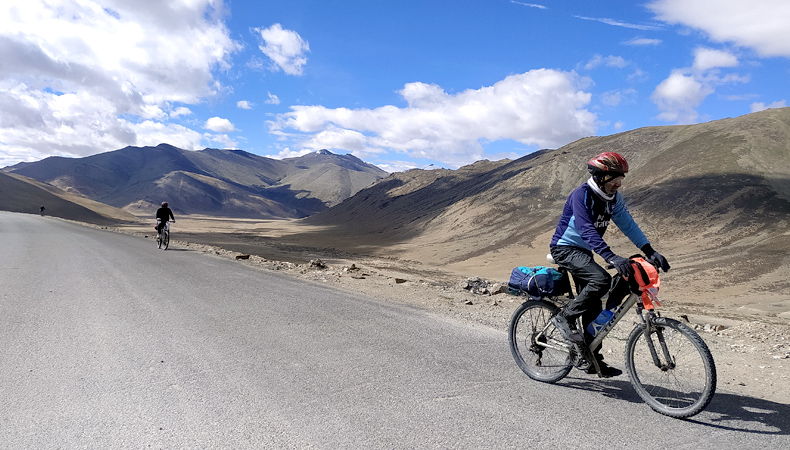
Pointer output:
x,y
229,183
713,197
25,195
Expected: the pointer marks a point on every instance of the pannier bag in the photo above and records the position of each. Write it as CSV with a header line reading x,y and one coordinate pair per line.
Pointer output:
x,y
537,281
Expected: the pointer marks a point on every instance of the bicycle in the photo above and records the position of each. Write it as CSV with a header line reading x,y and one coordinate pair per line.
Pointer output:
x,y
163,236
668,363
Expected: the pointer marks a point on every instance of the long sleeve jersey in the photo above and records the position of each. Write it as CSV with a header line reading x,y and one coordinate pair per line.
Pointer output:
x,y
165,214
585,218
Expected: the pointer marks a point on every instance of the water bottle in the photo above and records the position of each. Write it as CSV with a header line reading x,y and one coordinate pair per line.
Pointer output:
x,y
595,326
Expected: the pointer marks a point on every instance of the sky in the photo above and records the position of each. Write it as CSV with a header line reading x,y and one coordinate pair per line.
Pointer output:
x,y
398,83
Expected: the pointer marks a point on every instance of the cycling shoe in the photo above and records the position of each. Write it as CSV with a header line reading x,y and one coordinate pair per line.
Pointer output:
x,y
564,327
607,371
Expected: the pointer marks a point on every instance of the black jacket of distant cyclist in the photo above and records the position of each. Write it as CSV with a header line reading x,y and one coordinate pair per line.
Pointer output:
x,y
163,214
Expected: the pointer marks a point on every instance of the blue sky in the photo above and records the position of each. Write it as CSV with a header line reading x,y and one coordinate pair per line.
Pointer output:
x,y
400,84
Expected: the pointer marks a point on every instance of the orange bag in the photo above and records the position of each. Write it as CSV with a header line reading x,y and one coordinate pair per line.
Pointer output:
x,y
646,276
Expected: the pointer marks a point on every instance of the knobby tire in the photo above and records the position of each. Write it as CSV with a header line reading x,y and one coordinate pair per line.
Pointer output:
x,y
686,385
539,363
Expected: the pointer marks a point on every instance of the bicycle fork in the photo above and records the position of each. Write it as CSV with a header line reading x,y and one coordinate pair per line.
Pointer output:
x,y
649,328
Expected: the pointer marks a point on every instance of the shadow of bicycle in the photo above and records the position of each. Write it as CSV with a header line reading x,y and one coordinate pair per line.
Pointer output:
x,y
726,411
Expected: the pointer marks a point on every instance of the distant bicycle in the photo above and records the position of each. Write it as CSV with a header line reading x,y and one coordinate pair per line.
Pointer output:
x,y
669,364
163,237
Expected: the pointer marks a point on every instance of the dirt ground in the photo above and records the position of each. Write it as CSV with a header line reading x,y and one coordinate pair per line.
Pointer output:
x,y
749,337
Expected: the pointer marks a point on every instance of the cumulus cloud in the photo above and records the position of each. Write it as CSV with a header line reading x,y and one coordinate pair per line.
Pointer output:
x,y
81,77
679,96
285,48
706,59
244,104
219,125
180,111
545,108
757,24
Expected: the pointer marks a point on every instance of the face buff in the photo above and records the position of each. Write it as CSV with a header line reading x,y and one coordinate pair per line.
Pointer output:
x,y
598,191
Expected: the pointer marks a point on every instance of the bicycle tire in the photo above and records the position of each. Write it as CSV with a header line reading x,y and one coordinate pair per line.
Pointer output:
x,y
159,240
685,388
165,239
540,363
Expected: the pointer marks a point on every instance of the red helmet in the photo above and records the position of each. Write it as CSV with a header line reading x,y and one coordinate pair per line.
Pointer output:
x,y
164,204
608,163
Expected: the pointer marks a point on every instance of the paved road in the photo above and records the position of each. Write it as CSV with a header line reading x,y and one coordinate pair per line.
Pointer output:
x,y
108,342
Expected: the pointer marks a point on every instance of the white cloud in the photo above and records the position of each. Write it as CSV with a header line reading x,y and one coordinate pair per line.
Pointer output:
x,y
219,125
642,41
618,23
706,59
151,133
542,107
761,25
244,104
285,48
531,5
679,96
82,77
220,141
288,153
180,111
609,61
757,106
273,99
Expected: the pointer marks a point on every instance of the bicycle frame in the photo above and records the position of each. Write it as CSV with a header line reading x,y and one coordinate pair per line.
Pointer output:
x,y
630,301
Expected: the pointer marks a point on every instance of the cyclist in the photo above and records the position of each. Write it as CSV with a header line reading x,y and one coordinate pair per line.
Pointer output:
x,y
163,215
579,233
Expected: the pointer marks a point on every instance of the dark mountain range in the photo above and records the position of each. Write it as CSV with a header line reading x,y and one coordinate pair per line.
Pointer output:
x,y
230,183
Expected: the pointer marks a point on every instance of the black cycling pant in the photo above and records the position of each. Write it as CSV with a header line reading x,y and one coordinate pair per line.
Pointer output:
x,y
592,283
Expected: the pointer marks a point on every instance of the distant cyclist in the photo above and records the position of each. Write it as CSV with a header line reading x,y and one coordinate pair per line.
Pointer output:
x,y
580,231
42,209
163,215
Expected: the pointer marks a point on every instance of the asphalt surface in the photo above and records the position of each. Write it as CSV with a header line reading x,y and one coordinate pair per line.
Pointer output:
x,y
108,342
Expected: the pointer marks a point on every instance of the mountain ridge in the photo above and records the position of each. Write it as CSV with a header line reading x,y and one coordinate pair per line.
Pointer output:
x,y
229,183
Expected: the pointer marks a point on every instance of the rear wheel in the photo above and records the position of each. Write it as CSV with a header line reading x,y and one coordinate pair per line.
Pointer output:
x,y
539,350
159,240
165,239
684,380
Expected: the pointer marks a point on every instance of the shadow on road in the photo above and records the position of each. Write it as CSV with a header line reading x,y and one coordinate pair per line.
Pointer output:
x,y
726,411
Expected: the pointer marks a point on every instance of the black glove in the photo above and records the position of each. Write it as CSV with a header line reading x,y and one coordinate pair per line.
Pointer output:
x,y
658,260
622,265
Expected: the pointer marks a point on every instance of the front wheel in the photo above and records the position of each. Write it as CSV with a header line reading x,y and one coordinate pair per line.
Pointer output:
x,y
678,379
538,348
